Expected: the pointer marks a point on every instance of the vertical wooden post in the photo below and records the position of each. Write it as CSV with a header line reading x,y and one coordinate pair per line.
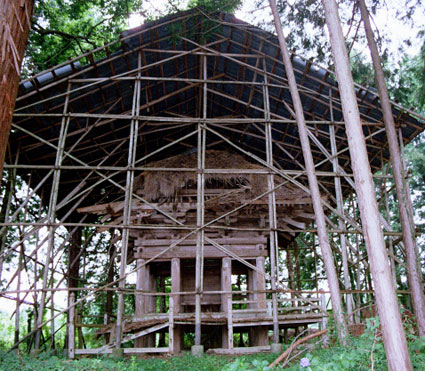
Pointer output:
x,y
18,294
312,181
260,334
392,327
226,286
71,327
176,287
15,19
413,274
324,322
140,285
144,303
176,282
52,309
229,321
171,348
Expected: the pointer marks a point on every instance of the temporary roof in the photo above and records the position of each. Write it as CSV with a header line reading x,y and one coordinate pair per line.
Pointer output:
x,y
170,48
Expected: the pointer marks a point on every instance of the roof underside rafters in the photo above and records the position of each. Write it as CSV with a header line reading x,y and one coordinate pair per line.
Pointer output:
x,y
170,52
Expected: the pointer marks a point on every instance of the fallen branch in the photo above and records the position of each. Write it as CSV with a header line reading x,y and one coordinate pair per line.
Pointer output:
x,y
294,345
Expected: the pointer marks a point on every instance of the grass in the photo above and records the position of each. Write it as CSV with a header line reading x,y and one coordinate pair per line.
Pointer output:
x,y
361,354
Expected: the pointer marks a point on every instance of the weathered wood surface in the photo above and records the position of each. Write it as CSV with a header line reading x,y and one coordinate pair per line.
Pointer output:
x,y
15,22
243,350
189,252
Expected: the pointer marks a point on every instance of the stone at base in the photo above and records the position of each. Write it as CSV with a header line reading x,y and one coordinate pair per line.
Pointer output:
x,y
35,352
117,353
276,348
197,350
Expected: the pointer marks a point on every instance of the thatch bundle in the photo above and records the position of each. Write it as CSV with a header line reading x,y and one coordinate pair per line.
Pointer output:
x,y
165,184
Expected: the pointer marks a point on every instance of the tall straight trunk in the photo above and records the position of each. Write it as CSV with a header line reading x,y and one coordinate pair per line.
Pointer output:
x,y
312,180
415,280
15,22
392,327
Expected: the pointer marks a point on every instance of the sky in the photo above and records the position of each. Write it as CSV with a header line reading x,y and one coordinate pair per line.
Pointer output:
x,y
385,19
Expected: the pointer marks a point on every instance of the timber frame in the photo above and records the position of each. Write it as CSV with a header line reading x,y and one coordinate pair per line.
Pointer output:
x,y
84,130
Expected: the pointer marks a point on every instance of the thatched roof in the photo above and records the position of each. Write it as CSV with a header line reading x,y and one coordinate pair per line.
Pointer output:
x,y
155,185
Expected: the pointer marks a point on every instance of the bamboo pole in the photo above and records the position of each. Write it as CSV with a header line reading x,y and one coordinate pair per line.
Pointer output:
x,y
392,328
312,180
132,150
408,228
51,216
340,207
274,252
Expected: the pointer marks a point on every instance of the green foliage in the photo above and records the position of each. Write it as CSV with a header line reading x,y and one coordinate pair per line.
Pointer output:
x,y
228,6
242,364
65,29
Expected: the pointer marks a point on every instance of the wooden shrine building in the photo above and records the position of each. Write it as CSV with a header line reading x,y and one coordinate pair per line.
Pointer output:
x,y
177,144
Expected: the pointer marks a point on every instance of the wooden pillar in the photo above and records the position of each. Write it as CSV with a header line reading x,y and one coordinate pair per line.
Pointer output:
x,y
260,333
144,303
226,285
176,287
392,328
15,19
71,327
109,293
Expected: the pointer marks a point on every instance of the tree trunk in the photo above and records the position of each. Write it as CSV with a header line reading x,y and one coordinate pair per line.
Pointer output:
x,y
415,280
15,22
392,327
312,181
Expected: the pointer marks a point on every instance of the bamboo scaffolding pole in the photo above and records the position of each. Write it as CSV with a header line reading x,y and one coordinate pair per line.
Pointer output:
x,y
340,207
274,271
51,217
387,210
252,68
132,150
392,328
327,70
136,70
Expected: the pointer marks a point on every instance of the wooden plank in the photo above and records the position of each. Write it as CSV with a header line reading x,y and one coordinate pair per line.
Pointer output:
x,y
244,350
146,350
185,252
251,241
126,351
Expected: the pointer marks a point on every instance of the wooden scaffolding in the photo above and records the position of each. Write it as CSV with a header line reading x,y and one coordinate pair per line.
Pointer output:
x,y
188,89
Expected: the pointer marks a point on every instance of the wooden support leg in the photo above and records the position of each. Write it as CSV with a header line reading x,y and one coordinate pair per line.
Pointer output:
x,y
71,327
226,285
260,333
142,283
175,287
